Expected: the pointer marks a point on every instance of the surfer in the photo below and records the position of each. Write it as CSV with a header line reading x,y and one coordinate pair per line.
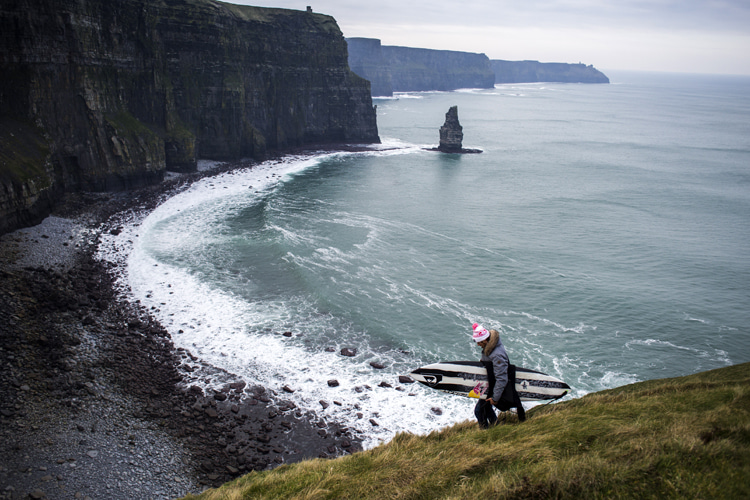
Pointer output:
x,y
495,358
493,352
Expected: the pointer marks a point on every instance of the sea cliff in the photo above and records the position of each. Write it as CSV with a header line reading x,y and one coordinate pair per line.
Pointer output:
x,y
366,60
407,69
535,71
103,96
414,69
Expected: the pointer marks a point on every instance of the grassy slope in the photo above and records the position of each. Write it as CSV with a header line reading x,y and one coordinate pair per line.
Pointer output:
x,y
685,437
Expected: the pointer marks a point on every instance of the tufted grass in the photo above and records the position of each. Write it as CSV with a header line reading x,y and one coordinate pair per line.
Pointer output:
x,y
678,438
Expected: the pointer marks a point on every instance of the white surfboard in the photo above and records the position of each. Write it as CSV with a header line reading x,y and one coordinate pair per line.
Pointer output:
x,y
469,378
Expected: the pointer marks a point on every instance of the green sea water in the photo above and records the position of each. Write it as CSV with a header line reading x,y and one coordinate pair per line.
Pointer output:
x,y
604,231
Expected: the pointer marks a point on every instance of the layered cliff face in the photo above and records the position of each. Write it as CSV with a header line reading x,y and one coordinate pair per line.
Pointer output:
x,y
426,69
406,69
366,60
534,71
106,95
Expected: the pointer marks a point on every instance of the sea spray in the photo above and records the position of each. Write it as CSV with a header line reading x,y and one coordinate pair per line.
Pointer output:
x,y
243,338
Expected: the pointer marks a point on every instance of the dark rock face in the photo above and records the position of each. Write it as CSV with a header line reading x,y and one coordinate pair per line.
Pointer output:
x,y
27,193
451,133
534,71
101,96
406,69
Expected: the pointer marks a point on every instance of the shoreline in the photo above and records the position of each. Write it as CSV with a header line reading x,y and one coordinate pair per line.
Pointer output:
x,y
93,402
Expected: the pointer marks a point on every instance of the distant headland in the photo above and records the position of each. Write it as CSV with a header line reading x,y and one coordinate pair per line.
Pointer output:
x,y
535,71
405,69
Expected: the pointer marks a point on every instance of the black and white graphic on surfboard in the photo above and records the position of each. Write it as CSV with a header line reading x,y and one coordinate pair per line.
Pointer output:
x,y
432,380
469,378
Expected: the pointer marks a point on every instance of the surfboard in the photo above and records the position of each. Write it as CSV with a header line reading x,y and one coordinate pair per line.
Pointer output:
x,y
469,378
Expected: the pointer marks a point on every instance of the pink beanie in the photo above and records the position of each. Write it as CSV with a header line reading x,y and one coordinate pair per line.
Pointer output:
x,y
480,333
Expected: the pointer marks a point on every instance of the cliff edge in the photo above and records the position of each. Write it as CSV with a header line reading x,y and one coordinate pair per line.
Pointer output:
x,y
535,71
366,60
104,96
407,69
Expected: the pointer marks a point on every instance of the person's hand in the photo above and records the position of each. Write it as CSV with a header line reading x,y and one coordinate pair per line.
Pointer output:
x,y
491,401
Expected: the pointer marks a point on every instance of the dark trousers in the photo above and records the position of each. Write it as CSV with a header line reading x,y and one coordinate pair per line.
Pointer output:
x,y
485,413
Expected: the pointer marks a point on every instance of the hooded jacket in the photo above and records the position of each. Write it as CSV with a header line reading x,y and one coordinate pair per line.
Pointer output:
x,y
494,352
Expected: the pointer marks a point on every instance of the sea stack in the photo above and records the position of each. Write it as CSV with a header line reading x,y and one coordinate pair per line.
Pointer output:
x,y
451,133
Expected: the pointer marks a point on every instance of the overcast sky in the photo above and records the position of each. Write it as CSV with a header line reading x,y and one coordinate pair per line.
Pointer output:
x,y
692,36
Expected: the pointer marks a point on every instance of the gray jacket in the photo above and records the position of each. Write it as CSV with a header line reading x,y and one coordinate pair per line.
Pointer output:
x,y
499,359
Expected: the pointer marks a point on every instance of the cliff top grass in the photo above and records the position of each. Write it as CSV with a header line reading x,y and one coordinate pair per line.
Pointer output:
x,y
270,14
685,437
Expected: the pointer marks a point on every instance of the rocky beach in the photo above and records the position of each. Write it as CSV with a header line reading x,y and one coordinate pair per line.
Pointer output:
x,y
94,401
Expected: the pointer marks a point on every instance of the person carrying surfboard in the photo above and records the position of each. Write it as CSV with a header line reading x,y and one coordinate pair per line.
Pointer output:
x,y
500,393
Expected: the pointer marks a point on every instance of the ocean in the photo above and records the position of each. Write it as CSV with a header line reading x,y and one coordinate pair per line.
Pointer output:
x,y
604,231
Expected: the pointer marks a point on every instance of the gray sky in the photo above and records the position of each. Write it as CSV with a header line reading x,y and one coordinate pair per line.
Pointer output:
x,y
692,36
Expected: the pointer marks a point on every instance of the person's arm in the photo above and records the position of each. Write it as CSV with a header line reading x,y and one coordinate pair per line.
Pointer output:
x,y
500,365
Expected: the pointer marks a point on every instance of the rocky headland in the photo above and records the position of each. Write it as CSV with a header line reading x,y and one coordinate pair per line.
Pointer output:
x,y
407,69
107,108
107,96
367,60
535,71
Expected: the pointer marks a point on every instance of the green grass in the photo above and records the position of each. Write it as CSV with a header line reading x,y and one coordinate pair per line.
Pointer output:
x,y
24,153
686,437
127,125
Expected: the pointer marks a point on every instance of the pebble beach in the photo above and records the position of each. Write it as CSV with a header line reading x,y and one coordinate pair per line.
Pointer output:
x,y
93,398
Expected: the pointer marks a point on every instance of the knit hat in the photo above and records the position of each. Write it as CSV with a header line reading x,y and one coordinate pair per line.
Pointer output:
x,y
480,333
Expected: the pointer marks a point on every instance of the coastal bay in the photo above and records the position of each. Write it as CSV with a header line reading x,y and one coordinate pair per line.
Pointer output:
x,y
555,299
92,402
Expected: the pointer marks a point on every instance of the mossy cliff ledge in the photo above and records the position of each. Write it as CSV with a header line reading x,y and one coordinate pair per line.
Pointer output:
x,y
102,96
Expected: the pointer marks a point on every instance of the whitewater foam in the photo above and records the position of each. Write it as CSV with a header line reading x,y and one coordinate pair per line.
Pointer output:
x,y
243,337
